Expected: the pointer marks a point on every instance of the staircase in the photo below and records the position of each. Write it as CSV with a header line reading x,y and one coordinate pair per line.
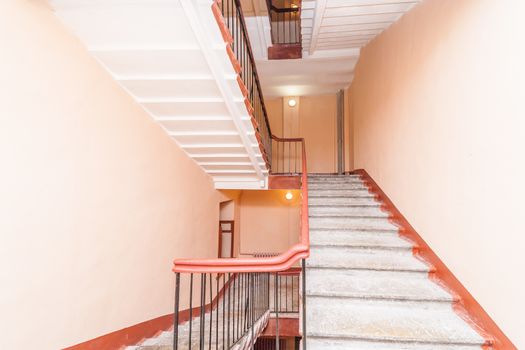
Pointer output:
x,y
364,287
225,312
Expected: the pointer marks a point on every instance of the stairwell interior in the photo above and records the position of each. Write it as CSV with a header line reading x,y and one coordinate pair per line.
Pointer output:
x,y
155,114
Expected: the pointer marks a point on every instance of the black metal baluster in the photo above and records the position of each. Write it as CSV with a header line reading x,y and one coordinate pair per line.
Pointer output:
x,y
303,264
293,292
229,310
203,303
276,311
176,313
223,309
217,315
238,306
191,308
211,312
233,318
252,316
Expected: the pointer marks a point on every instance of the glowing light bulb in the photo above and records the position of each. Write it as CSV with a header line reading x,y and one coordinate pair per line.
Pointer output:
x,y
288,195
292,102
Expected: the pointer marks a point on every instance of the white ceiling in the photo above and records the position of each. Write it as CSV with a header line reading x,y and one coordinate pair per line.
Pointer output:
x,y
333,32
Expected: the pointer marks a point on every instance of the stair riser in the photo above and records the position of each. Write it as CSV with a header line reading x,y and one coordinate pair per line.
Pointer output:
x,y
342,201
339,193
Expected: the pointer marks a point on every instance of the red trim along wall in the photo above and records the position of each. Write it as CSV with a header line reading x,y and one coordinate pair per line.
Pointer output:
x,y
284,182
288,327
127,336
135,334
466,306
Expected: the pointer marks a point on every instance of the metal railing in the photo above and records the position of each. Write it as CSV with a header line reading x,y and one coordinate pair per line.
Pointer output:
x,y
223,311
269,344
233,18
287,286
225,303
285,23
286,156
220,311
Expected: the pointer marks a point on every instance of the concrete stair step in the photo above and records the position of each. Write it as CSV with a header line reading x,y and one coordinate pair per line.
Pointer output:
x,y
364,210
329,185
364,239
355,223
333,177
343,201
314,343
339,193
386,321
381,285
364,259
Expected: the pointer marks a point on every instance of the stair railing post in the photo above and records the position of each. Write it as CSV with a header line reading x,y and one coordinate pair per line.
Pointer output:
x,y
176,312
303,263
276,297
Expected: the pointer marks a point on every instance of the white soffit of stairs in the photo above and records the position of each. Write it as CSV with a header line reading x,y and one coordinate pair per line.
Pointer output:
x,y
347,24
333,32
169,55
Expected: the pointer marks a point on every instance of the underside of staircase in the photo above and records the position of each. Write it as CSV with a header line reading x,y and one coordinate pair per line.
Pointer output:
x,y
364,287
171,57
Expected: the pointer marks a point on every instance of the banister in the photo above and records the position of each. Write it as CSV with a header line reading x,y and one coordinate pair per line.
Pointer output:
x,y
252,62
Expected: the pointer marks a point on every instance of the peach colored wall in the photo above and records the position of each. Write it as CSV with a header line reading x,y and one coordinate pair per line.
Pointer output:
x,y
316,119
274,108
348,130
269,222
317,124
96,200
439,123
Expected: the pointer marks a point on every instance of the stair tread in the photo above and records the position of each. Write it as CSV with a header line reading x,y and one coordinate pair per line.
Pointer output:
x,y
361,223
370,259
358,239
373,285
339,193
355,210
390,321
331,185
314,343
339,201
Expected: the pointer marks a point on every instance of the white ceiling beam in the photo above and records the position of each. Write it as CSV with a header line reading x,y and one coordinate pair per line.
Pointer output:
x,y
205,44
320,7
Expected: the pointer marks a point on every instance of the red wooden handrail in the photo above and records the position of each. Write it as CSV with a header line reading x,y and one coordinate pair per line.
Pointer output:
x,y
277,263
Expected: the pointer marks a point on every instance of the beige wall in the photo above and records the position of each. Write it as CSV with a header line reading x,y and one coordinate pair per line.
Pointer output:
x,y
274,108
314,118
269,222
439,123
96,200
348,130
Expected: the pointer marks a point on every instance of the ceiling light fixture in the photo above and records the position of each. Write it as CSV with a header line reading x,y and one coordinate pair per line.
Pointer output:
x,y
292,102
288,195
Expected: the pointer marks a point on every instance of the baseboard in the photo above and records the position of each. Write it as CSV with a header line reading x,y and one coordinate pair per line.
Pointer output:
x,y
466,307
135,334
127,336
